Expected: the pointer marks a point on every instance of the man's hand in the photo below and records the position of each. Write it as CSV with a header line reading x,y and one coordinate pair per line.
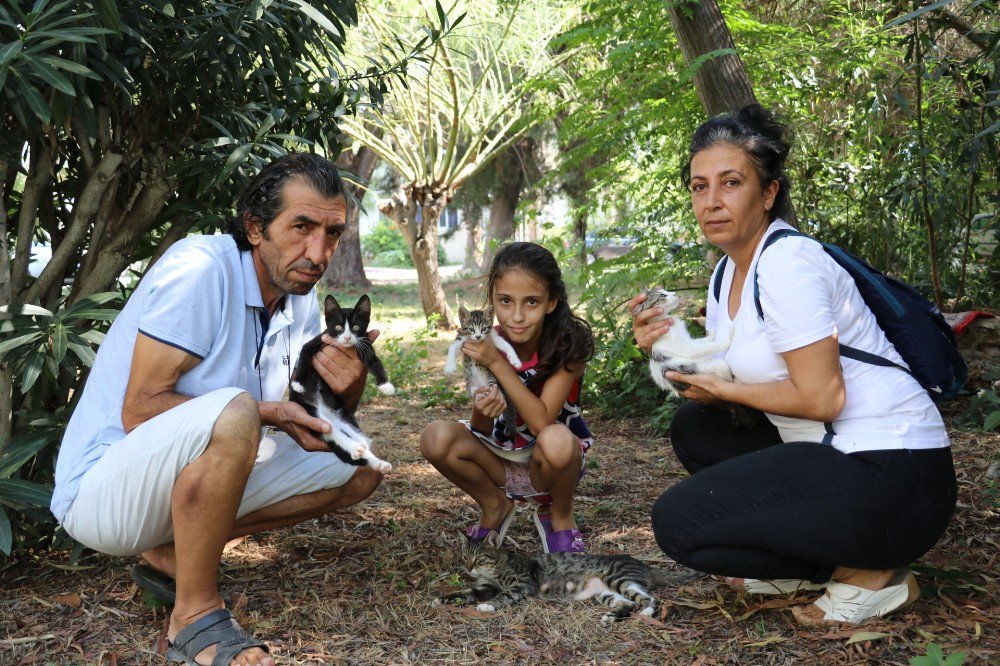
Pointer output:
x,y
644,331
488,401
484,352
342,370
293,419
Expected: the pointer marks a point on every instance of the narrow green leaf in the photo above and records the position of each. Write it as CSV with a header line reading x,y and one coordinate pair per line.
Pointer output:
x,y
318,17
8,51
989,130
20,341
18,493
26,309
89,302
110,17
35,101
21,451
101,314
236,158
6,533
920,12
70,66
85,354
32,369
992,421
50,75
59,343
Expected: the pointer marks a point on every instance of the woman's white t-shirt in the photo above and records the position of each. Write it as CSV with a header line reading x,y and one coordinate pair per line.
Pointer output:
x,y
806,297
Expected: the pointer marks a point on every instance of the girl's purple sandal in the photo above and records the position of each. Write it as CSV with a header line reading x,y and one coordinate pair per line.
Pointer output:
x,y
479,533
563,541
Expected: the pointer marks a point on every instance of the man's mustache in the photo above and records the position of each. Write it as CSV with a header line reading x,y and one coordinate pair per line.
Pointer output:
x,y
308,266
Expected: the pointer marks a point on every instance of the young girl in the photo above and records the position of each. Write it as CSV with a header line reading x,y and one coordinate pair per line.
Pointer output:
x,y
545,461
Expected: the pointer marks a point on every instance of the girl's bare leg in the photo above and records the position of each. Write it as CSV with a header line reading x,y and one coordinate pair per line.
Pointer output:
x,y
555,469
463,460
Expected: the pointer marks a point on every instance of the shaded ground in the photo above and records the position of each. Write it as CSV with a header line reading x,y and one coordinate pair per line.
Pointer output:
x,y
357,587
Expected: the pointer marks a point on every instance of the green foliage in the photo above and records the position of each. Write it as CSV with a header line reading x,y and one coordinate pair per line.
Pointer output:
x,y
935,657
43,349
983,410
386,246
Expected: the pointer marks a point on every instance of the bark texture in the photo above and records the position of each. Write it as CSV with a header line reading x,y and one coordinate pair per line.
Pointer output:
x,y
415,211
346,267
509,169
721,82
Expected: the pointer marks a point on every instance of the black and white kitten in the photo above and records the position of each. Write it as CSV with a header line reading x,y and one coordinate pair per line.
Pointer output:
x,y
349,326
478,325
676,350
503,577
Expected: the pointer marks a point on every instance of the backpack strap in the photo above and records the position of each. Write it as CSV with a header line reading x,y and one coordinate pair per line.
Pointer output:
x,y
720,270
841,257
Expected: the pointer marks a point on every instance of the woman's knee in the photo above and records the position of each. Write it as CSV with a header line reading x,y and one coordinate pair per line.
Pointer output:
x,y
558,446
671,523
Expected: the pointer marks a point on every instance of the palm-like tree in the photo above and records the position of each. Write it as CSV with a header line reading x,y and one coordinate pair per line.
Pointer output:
x,y
461,107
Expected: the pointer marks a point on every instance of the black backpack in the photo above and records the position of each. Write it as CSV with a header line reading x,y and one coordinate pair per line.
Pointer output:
x,y
913,325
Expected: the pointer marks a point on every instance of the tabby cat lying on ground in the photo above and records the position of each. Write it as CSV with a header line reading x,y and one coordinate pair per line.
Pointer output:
x,y
502,577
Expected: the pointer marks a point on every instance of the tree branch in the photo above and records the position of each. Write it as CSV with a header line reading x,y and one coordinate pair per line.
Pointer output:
x,y
39,175
83,215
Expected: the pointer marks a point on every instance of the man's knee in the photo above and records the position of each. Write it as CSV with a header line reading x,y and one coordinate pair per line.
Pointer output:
x,y
435,440
238,428
362,484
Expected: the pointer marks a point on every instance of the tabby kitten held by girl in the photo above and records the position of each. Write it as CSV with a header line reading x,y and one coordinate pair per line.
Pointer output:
x,y
544,460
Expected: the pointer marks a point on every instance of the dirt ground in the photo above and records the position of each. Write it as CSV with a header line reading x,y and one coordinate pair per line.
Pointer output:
x,y
357,587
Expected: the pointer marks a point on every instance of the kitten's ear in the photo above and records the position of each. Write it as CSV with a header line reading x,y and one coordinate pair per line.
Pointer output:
x,y
488,314
363,306
492,539
463,312
330,304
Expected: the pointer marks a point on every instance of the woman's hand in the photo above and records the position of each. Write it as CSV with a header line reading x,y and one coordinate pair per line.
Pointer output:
x,y
704,388
647,332
488,401
483,352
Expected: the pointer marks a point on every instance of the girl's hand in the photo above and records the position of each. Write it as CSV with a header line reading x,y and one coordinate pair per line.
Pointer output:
x,y
483,352
645,331
488,401
704,388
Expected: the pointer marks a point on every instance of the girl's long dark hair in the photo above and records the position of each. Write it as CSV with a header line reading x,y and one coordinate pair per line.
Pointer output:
x,y
566,339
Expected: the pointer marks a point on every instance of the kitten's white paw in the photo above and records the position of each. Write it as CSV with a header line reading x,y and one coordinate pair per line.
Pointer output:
x,y
383,467
450,369
297,387
359,452
485,608
387,389
265,449
608,618
648,612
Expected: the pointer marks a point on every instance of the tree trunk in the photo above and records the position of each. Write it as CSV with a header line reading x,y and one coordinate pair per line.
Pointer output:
x,y
472,219
422,237
6,378
346,268
721,82
506,194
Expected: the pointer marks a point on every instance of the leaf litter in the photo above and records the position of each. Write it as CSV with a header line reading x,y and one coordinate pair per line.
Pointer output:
x,y
357,586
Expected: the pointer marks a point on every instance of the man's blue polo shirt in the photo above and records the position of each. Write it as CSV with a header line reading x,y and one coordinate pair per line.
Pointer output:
x,y
202,296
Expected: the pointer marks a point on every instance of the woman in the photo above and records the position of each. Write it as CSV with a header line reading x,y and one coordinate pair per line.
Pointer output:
x,y
850,478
